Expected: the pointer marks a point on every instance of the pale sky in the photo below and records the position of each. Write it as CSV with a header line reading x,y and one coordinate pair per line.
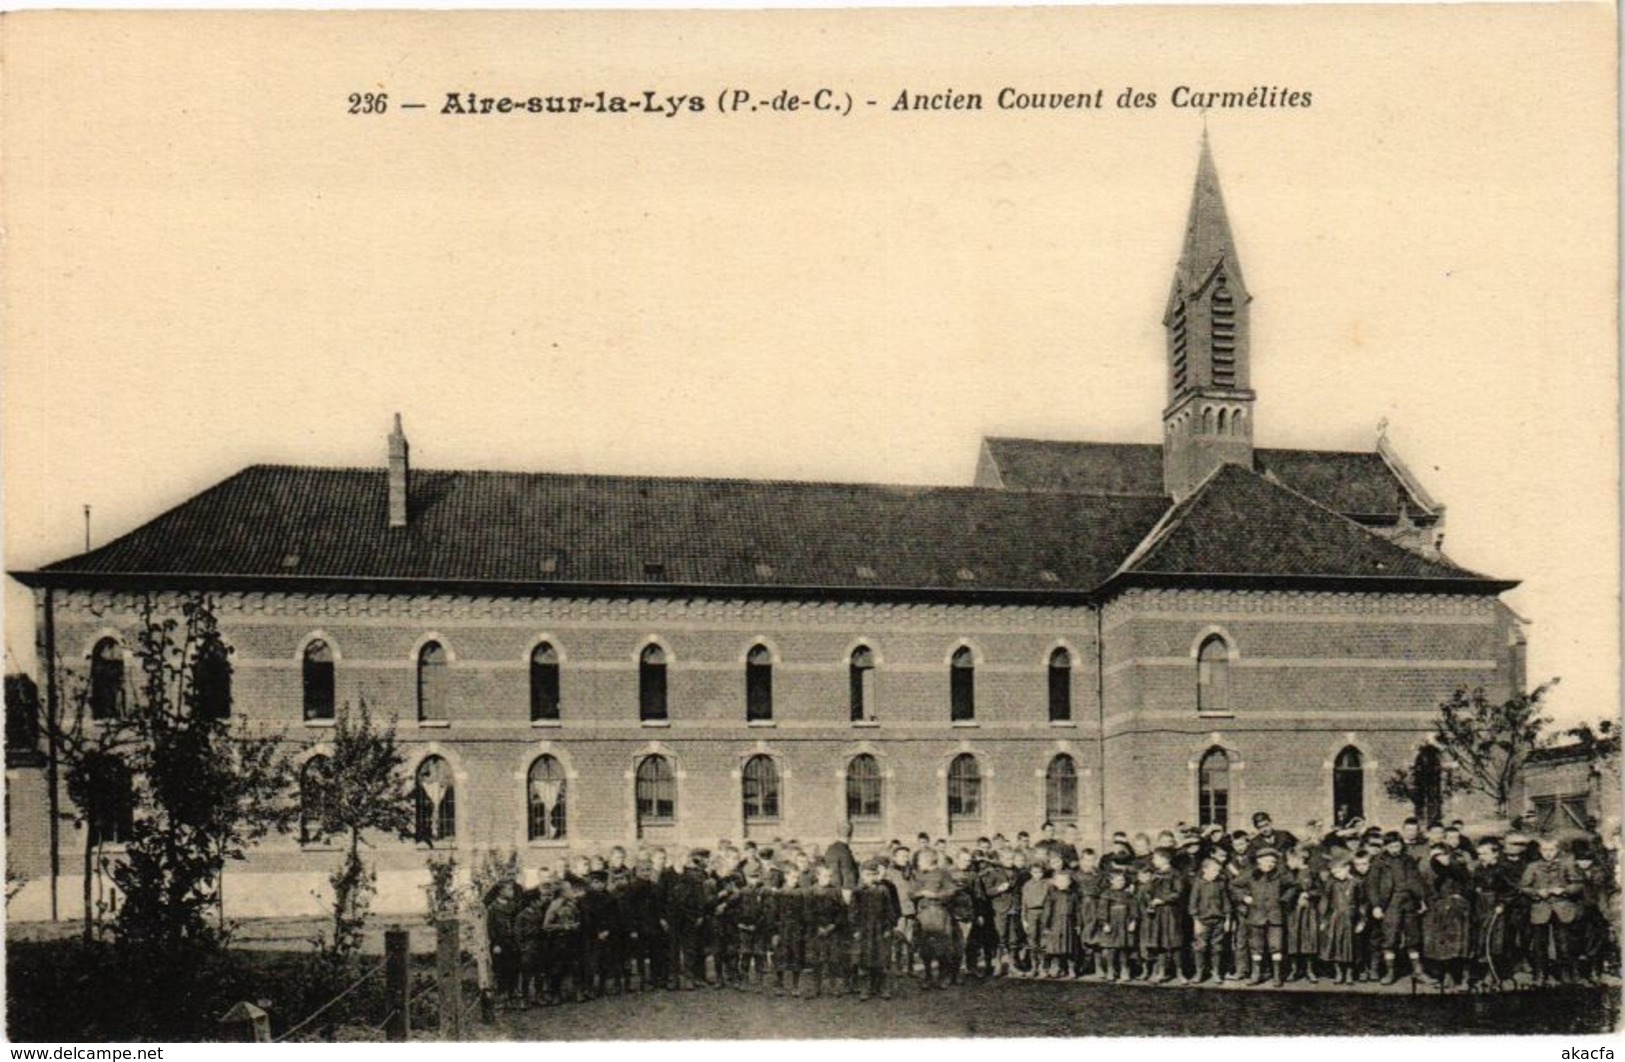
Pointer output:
x,y
211,264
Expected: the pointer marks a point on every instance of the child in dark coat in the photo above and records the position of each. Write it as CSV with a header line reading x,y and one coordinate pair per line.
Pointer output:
x,y
1211,919
790,936
1058,924
875,914
1342,918
826,939
1116,932
1303,917
1163,929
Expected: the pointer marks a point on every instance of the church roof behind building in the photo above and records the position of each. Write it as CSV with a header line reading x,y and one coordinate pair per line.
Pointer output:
x,y
1360,485
272,525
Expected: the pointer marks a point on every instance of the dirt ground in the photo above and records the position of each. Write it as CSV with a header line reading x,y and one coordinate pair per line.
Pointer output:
x,y
1006,1007
1021,1008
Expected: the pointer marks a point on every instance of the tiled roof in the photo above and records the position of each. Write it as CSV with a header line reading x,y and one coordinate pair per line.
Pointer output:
x,y
1358,485
276,526
499,527
1240,524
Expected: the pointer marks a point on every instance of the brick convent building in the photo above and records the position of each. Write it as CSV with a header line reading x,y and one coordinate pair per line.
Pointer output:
x,y
1117,636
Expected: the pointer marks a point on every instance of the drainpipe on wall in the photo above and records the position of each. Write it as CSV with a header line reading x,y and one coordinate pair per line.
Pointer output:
x,y
48,635
1100,706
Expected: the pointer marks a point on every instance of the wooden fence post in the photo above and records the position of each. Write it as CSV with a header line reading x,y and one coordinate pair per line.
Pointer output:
x,y
398,983
448,968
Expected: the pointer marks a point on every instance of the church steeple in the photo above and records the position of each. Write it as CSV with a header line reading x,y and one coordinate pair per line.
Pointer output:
x,y
1208,420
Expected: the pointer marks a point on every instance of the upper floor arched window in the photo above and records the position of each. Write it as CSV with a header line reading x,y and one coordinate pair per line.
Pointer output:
x,y
432,664
1213,676
106,680
861,684
211,681
962,685
544,683
759,684
318,679
652,683
1060,686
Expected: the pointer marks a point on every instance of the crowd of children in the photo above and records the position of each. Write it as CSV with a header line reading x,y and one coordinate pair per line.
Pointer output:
x,y
1356,904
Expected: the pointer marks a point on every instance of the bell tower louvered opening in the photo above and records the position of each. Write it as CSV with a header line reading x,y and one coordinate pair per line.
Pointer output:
x,y
1209,418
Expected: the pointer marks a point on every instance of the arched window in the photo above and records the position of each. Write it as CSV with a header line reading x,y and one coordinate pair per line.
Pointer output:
x,y
106,680
862,684
863,789
652,683
432,683
1060,686
758,684
1213,676
962,685
312,800
546,800
964,791
111,805
1348,786
1429,778
211,681
1061,791
1213,789
544,683
760,785
435,796
318,677
656,792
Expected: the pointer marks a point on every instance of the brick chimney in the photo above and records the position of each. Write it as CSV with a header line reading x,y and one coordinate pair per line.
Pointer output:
x,y
400,475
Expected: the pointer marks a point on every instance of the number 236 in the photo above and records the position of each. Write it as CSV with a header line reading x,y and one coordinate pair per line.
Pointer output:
x,y
369,102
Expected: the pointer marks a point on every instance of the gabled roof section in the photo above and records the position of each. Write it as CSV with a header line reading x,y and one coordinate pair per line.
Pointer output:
x,y
1364,486
1238,525
284,526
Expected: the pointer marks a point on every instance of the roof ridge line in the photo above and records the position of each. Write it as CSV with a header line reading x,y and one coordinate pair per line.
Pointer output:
x,y
1168,521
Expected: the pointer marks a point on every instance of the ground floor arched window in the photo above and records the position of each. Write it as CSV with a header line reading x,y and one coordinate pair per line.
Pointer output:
x,y
547,800
1213,789
1061,791
1348,786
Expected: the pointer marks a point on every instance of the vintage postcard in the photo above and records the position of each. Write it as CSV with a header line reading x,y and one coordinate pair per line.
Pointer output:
x,y
802,524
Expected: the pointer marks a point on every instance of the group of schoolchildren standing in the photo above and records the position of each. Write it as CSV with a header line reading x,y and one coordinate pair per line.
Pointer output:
x,y
1356,904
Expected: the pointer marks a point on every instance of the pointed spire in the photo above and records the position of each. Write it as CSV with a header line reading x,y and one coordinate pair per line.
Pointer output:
x,y
1208,240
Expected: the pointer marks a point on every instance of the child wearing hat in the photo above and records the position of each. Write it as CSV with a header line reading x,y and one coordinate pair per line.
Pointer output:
x,y
1342,917
1264,898
1211,916
1303,916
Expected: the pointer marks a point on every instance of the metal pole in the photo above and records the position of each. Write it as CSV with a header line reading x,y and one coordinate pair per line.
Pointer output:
x,y
397,983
